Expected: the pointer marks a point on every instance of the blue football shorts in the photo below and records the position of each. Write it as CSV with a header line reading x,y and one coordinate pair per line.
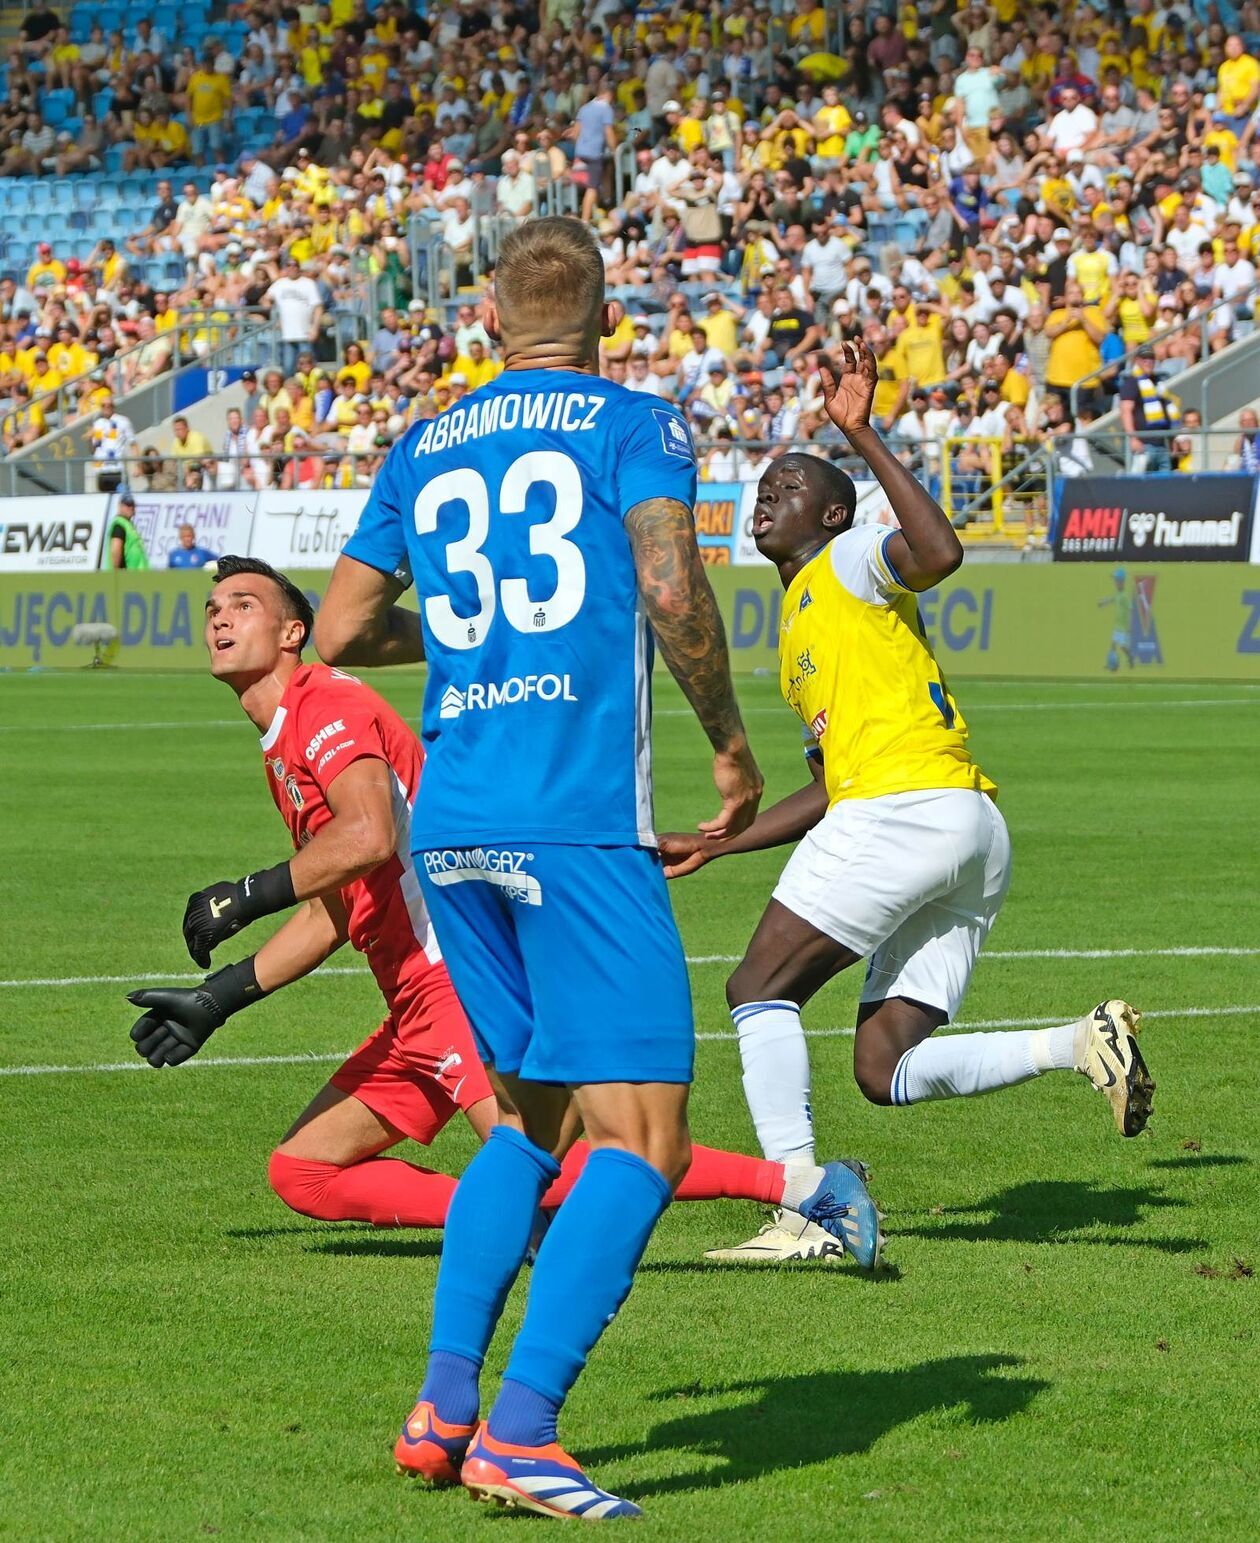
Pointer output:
x,y
567,960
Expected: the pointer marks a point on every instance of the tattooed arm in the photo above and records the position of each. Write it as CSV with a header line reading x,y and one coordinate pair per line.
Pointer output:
x,y
684,617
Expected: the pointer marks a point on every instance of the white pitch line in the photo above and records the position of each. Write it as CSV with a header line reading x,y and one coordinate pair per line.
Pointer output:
x,y
665,712
991,955
1035,707
76,728
220,1061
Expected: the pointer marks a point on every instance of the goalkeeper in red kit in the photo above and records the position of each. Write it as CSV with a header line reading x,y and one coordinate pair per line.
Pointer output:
x,y
344,769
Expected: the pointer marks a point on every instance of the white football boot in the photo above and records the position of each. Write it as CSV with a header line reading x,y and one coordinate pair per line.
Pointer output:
x,y
1105,1050
786,1236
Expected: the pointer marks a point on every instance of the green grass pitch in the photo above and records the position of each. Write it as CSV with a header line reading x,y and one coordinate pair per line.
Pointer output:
x,y
1065,1344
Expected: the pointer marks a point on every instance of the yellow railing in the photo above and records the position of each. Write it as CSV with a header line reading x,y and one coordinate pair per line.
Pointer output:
x,y
950,477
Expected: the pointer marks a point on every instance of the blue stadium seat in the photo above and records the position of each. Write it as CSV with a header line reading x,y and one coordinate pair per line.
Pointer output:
x,y
41,199
110,17
102,101
56,107
63,193
114,158
80,23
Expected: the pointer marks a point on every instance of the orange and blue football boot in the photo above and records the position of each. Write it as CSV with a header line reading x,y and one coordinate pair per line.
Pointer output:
x,y
541,1479
431,1449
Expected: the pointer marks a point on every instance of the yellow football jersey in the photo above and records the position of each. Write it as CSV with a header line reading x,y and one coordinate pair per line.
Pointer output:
x,y
856,668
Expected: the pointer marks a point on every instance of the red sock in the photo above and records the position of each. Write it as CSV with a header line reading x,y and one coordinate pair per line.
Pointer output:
x,y
713,1175
382,1190
717,1175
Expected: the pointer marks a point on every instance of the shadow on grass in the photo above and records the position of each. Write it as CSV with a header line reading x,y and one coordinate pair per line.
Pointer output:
x,y
886,1274
404,1245
1211,1160
766,1427
1055,1211
350,1239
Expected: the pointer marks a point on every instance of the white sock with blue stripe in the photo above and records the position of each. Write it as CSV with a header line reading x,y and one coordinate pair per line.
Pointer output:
x,y
776,1078
962,1065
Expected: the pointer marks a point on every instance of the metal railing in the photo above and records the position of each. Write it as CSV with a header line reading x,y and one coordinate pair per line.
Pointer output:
x,y
990,491
189,342
46,464
1247,299
318,465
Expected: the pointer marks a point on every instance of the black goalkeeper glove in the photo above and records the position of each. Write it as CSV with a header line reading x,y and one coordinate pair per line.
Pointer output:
x,y
178,1022
220,910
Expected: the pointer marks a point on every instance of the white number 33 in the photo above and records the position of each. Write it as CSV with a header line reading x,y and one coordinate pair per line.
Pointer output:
x,y
546,539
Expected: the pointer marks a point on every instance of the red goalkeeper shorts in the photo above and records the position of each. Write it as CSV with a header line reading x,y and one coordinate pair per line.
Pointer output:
x,y
421,1065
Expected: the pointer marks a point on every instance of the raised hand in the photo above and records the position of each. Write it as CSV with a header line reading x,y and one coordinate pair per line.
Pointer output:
x,y
849,388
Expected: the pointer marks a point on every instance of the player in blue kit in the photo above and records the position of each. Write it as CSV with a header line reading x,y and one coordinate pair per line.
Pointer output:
x,y
547,524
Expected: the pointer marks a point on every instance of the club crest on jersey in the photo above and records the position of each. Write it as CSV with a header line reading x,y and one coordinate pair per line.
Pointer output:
x,y
675,439
277,768
294,792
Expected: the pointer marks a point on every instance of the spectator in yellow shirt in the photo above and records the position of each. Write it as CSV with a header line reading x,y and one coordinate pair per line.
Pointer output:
x,y
109,263
831,127
919,351
892,385
67,356
1075,331
61,60
170,142
43,378
164,315
209,101
45,272
690,130
808,28
719,324
190,444
1237,84
1132,309
1012,386
25,421
356,367
476,365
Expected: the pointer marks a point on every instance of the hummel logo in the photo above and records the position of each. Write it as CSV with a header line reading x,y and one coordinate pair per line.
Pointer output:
x,y
217,907
1140,527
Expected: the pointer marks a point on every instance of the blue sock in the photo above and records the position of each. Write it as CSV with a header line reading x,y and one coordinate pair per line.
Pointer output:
x,y
488,1229
524,1418
576,1290
450,1385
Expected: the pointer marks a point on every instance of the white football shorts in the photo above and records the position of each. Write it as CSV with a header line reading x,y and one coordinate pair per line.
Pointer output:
x,y
912,881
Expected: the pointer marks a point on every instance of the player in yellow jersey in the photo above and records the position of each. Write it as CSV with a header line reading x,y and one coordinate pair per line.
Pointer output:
x,y
904,858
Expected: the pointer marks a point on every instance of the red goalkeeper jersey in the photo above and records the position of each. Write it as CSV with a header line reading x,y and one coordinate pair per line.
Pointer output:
x,y
327,720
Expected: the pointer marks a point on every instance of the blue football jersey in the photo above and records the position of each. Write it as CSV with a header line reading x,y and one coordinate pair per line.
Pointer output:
x,y
506,512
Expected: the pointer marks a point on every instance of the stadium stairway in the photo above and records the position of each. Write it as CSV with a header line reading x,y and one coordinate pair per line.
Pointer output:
x,y
1218,389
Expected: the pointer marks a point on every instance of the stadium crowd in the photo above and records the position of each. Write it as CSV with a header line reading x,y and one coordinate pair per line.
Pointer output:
x,y
1005,200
